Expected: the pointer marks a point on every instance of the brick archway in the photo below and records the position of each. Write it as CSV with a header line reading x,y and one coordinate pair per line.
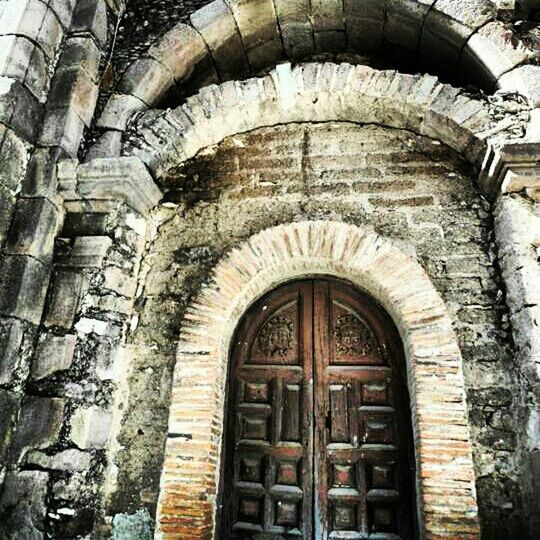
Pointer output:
x,y
445,476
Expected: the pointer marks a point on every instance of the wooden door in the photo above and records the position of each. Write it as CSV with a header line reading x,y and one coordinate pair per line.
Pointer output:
x,y
318,441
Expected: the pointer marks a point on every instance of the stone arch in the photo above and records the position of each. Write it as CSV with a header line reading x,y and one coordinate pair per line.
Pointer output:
x,y
229,39
434,371
326,92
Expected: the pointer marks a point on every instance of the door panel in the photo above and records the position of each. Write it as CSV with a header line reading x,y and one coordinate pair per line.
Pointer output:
x,y
268,471
318,435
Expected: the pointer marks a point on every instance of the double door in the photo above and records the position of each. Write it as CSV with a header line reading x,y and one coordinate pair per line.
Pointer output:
x,y
318,438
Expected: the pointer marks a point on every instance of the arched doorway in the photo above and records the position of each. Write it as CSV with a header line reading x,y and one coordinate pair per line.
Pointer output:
x,y
318,433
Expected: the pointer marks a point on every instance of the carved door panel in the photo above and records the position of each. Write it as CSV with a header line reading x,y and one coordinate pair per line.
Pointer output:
x,y
362,470
318,434
270,433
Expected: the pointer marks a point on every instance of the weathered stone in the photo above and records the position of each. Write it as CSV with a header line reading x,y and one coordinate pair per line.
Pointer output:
x,y
119,109
8,407
90,251
91,16
295,27
23,60
90,427
13,159
54,353
64,128
109,144
64,299
23,505
81,52
33,229
23,284
257,23
364,24
405,21
63,9
19,109
12,337
76,90
491,52
525,80
148,80
110,179
40,177
217,26
34,20
71,460
39,424
139,525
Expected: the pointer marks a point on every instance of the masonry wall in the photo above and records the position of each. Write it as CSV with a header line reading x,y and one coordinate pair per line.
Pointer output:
x,y
411,189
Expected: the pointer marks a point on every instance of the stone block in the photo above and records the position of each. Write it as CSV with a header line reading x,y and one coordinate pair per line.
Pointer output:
x,y
110,179
81,52
525,80
8,407
40,178
77,91
64,299
148,80
108,144
23,60
64,128
90,427
404,22
13,159
34,20
90,251
13,348
448,27
295,27
91,16
7,203
23,285
63,9
40,420
184,53
54,353
118,110
19,109
491,52
71,460
33,229
218,28
23,505
115,279
257,22
364,24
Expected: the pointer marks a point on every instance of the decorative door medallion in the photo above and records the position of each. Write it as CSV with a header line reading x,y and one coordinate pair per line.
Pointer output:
x,y
318,442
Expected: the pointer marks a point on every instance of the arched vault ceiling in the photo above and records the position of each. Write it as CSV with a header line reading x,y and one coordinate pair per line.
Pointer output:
x,y
460,41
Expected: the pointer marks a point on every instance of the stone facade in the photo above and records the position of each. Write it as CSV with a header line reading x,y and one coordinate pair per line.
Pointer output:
x,y
149,149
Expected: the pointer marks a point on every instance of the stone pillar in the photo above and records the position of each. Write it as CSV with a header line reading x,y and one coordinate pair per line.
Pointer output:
x,y
61,443
517,230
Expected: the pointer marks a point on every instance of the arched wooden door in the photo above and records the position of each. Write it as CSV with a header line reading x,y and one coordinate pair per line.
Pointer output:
x,y
318,442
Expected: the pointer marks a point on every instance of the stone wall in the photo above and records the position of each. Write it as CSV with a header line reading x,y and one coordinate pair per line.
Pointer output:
x,y
411,189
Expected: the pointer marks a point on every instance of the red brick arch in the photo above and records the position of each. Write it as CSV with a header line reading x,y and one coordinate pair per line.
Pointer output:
x,y
445,476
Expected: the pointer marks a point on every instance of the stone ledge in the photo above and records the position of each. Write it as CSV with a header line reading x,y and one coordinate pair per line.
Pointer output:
x,y
108,179
513,168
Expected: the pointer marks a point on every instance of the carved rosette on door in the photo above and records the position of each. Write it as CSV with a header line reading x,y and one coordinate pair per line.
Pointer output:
x,y
318,442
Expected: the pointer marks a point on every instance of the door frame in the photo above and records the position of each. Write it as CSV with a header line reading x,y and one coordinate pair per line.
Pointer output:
x,y
192,466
